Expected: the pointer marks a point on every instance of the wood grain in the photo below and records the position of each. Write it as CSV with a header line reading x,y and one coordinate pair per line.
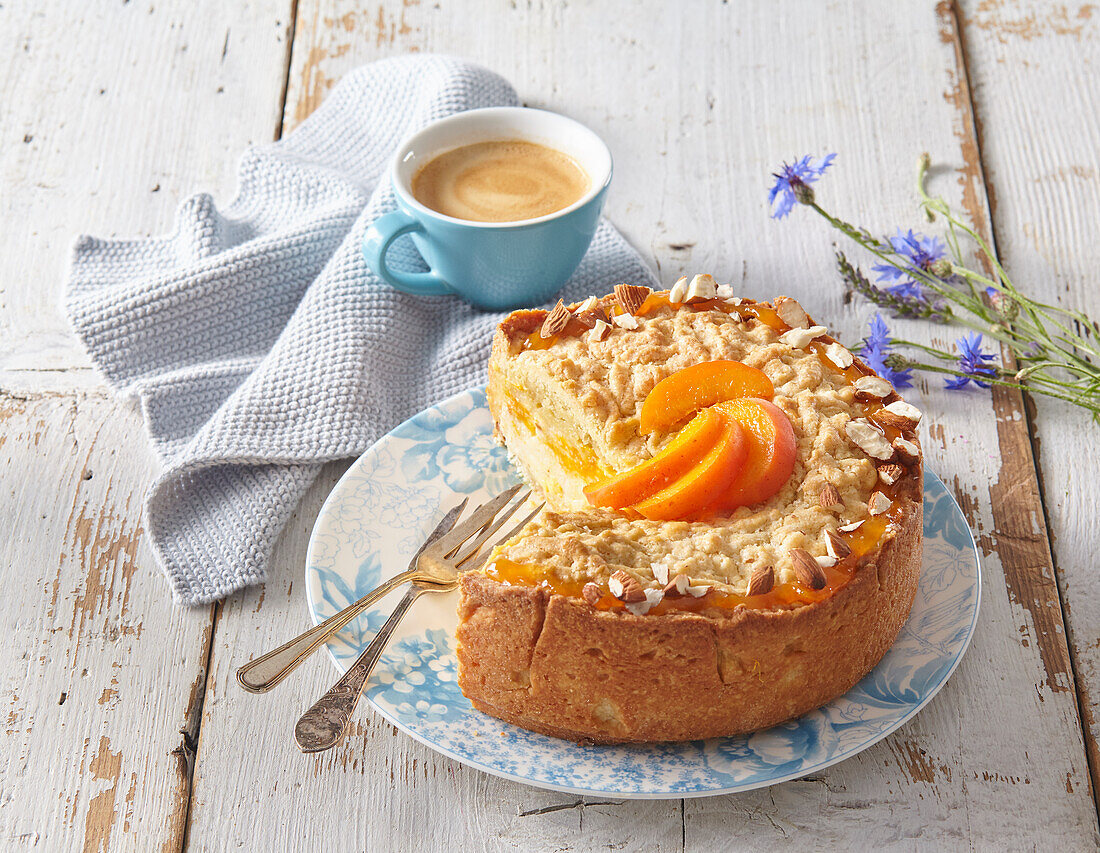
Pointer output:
x,y
1033,68
117,734
103,675
108,119
696,124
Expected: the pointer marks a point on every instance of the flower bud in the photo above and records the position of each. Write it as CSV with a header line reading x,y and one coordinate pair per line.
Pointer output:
x,y
941,268
804,193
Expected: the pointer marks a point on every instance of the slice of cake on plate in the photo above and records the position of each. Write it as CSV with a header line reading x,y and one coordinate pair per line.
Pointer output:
x,y
733,531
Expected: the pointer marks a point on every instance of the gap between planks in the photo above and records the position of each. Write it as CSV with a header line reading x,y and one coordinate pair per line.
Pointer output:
x,y
196,708
1016,432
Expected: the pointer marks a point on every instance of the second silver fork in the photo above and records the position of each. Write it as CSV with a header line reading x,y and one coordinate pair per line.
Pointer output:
x,y
437,567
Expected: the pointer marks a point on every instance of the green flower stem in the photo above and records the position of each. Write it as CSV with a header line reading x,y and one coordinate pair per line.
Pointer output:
x,y
1005,283
1063,367
903,362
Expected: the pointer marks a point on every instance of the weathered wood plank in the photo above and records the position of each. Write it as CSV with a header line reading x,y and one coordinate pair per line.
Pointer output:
x,y
1034,68
698,103
103,675
109,116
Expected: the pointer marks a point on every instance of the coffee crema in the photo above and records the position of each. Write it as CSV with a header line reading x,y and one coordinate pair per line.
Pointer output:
x,y
502,181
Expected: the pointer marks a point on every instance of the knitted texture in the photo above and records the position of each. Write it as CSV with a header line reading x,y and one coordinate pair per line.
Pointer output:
x,y
258,342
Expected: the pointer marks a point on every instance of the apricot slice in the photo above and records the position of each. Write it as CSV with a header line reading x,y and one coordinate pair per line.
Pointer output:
x,y
698,490
685,450
772,450
696,387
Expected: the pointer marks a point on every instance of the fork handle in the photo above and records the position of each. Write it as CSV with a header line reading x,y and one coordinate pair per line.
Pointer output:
x,y
263,673
324,725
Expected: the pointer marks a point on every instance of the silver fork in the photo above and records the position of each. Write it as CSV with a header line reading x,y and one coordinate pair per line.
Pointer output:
x,y
435,569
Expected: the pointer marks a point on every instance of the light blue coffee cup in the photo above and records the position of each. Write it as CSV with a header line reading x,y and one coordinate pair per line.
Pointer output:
x,y
492,265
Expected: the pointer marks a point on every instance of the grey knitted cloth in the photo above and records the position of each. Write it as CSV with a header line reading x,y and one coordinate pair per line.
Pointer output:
x,y
258,342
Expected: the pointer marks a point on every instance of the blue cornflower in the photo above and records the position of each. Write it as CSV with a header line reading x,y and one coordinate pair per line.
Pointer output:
x,y
792,183
874,350
972,361
921,252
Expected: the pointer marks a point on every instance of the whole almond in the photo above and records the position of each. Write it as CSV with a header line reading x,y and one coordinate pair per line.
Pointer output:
x,y
890,474
592,593
762,580
555,321
625,588
837,547
631,296
791,313
829,496
806,569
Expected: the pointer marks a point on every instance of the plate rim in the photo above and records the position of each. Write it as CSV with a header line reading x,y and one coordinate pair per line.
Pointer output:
x,y
335,493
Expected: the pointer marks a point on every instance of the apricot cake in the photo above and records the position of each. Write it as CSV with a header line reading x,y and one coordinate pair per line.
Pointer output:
x,y
733,526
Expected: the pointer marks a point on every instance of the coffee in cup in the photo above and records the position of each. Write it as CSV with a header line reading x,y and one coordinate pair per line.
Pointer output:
x,y
506,180
528,187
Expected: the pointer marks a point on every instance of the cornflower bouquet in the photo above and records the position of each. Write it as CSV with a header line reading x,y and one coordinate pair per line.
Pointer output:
x,y
1049,350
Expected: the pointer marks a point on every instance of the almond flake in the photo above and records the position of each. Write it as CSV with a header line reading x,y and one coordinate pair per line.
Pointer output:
x,y
836,546
907,450
872,387
878,504
890,474
849,528
904,410
588,305
892,419
698,591
652,599
838,355
762,580
660,572
868,439
625,588
825,561
679,290
800,338
829,496
592,593
806,569
588,319
625,321
631,296
555,321
724,291
791,313
599,331
701,287
678,586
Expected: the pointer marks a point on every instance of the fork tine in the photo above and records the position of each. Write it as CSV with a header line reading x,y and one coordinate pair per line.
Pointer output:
x,y
488,530
508,535
446,525
480,517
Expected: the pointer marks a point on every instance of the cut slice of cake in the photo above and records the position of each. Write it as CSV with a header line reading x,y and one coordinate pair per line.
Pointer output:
x,y
758,574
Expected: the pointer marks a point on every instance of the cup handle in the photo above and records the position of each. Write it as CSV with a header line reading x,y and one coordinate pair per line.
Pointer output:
x,y
380,235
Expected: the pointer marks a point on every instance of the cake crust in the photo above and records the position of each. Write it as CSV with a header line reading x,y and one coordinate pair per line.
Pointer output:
x,y
552,664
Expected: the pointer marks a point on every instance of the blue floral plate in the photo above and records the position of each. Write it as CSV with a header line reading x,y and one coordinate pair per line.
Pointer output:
x,y
387,502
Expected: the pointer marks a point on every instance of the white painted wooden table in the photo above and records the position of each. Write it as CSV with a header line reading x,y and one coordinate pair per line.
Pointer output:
x,y
124,729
